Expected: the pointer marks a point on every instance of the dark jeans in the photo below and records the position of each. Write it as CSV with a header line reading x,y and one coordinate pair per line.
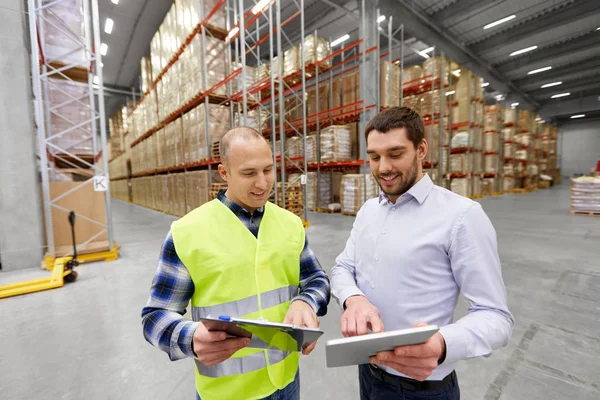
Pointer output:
x,y
372,388
290,392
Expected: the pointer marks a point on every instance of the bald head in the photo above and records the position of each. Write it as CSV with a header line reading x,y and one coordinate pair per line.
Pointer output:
x,y
235,134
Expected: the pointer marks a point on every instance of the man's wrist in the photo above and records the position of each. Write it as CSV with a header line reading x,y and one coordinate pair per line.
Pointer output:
x,y
443,355
350,299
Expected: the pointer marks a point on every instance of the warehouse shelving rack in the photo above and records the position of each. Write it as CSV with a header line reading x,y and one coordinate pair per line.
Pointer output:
x,y
47,66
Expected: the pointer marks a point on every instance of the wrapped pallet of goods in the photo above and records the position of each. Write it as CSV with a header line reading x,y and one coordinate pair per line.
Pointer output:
x,y
336,144
146,73
465,163
585,195
432,135
510,116
352,191
325,186
291,61
433,67
67,114
315,50
461,186
64,22
413,102
389,89
430,104
412,76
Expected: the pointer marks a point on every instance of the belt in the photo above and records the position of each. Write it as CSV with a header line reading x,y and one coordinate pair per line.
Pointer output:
x,y
410,384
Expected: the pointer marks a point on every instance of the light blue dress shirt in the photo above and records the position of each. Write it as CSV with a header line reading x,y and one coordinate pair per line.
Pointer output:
x,y
411,259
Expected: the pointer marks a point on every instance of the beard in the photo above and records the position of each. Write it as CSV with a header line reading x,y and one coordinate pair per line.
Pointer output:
x,y
404,181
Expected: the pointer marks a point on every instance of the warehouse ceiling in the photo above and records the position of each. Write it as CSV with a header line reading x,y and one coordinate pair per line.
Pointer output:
x,y
565,34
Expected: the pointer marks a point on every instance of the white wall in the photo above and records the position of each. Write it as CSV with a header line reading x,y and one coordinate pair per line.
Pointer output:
x,y
579,146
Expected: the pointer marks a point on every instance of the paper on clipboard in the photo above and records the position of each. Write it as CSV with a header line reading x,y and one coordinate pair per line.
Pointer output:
x,y
264,334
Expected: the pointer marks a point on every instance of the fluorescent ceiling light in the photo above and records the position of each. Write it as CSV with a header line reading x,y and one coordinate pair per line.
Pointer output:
x,y
104,49
485,84
578,116
96,80
450,92
115,1
535,71
422,54
551,84
381,18
340,40
514,104
108,26
261,5
500,21
232,33
542,121
525,50
598,28
456,72
556,96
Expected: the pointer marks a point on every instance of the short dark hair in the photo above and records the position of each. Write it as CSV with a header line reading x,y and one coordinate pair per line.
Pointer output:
x,y
398,117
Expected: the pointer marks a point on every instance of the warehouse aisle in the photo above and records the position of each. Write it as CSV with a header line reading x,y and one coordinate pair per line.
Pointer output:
x,y
85,340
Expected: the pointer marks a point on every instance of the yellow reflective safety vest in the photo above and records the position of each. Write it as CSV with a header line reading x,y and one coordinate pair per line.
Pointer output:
x,y
238,274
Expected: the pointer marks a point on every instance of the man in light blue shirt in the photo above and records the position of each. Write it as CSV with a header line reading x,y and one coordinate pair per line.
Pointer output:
x,y
410,253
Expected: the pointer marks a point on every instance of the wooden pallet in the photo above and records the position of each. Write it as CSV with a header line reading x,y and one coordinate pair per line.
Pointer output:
x,y
586,213
543,184
328,211
517,191
352,214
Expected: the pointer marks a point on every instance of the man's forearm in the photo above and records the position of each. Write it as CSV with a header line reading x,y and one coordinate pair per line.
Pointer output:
x,y
477,334
170,332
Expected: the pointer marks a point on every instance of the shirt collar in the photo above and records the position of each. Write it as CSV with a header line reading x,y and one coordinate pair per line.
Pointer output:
x,y
419,190
236,208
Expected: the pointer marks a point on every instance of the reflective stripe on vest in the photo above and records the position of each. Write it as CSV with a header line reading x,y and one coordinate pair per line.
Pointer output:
x,y
234,366
247,305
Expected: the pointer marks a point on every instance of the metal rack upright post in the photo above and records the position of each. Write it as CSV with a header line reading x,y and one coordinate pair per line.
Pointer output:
x,y
76,67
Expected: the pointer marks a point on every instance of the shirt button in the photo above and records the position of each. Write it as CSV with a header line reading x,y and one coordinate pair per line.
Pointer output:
x,y
383,232
377,258
372,286
393,208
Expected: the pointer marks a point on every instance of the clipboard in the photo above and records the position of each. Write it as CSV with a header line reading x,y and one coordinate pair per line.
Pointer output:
x,y
358,350
264,334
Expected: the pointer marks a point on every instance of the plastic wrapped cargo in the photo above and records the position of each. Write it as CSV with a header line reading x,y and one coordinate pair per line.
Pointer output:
x,y
432,68
336,143
461,186
389,91
316,49
353,191
585,194
491,142
64,19
60,96
412,76
291,61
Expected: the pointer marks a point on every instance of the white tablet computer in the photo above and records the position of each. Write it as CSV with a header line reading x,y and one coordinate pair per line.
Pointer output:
x,y
359,349
264,334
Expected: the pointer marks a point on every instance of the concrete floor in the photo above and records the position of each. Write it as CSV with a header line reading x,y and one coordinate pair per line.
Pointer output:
x,y
84,341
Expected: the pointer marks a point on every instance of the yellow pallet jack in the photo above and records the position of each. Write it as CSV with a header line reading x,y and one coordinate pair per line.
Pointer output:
x,y
62,270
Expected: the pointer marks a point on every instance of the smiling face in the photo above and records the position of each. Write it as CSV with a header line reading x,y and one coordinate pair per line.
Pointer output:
x,y
248,172
394,161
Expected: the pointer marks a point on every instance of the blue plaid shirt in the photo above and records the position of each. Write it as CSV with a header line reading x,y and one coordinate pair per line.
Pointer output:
x,y
172,288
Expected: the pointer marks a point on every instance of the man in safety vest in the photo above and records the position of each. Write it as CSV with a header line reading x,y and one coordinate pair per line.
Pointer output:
x,y
217,258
